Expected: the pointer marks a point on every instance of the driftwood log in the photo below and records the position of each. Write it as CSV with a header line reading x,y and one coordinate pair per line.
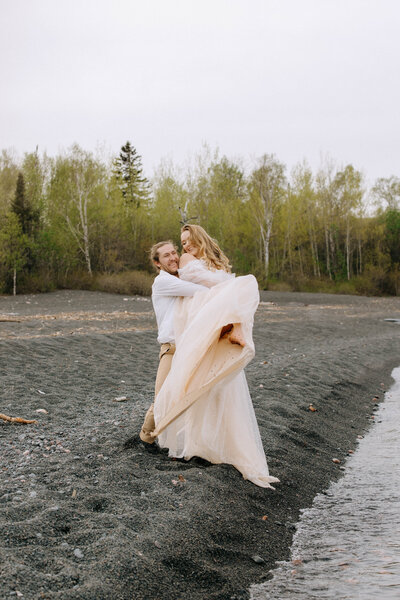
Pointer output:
x,y
16,419
10,321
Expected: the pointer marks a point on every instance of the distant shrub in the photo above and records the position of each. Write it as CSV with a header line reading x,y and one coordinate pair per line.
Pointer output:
x,y
36,283
29,283
375,282
278,286
128,282
76,280
394,277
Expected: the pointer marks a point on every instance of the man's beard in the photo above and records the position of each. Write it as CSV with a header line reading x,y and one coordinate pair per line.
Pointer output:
x,y
171,270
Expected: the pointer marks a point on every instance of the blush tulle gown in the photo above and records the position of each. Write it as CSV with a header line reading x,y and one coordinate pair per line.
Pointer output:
x,y
204,407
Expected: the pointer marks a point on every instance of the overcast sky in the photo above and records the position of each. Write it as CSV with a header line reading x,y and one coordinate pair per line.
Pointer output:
x,y
297,78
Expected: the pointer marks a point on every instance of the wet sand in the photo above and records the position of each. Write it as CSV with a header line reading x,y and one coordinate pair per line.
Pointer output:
x,y
87,512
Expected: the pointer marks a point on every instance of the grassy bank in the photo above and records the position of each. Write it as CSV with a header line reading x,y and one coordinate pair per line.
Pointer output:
x,y
128,282
377,282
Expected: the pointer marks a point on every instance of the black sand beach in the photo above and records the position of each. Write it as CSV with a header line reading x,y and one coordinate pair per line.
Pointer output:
x,y
87,512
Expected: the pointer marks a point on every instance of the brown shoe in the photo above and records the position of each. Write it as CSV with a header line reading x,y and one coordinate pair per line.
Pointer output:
x,y
146,437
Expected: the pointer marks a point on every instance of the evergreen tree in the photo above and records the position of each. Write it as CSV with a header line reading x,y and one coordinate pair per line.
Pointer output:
x,y
14,248
128,170
20,206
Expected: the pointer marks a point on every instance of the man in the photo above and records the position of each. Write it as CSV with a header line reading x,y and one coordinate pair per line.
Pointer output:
x,y
167,288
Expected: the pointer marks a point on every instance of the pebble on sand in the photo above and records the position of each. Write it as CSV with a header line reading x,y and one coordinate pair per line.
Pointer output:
x,y
120,399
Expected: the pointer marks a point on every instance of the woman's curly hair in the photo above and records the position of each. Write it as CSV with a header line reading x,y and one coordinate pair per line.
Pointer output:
x,y
209,250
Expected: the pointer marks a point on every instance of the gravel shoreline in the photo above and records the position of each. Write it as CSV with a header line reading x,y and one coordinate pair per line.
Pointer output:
x,y
86,512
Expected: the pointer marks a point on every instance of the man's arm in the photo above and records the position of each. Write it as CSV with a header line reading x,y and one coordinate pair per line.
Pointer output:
x,y
173,286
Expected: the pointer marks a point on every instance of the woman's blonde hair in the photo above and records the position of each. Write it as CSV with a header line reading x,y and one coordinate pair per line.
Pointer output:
x,y
209,250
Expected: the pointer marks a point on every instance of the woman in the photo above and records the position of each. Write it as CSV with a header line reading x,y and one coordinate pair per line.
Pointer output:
x,y
198,245
204,407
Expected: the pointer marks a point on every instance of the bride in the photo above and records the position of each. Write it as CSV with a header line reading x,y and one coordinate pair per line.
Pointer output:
x,y
204,407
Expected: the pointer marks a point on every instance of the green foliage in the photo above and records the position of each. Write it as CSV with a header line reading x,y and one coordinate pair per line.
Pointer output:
x,y
75,220
130,282
217,198
169,195
387,189
76,191
128,172
28,217
130,190
392,238
268,187
14,248
8,180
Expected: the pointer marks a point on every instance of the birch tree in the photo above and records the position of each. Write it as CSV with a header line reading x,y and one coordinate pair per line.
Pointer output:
x,y
326,201
77,183
348,187
303,187
267,189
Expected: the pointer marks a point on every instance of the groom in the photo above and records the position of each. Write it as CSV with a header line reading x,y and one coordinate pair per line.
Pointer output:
x,y
167,288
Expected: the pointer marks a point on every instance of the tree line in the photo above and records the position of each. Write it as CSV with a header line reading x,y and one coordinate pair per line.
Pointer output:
x,y
66,218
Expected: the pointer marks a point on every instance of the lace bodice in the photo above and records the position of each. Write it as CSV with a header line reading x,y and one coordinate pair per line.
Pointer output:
x,y
197,271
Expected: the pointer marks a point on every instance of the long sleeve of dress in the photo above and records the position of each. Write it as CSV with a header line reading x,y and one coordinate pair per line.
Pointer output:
x,y
197,272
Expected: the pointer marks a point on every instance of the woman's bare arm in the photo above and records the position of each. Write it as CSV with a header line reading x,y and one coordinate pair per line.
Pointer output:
x,y
185,259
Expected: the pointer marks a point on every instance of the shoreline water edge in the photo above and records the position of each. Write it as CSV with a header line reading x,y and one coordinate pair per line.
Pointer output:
x,y
86,512
347,544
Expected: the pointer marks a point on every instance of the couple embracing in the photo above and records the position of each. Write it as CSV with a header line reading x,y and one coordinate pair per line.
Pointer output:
x,y
205,315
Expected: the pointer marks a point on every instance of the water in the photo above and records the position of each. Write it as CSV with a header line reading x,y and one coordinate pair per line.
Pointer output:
x,y
347,546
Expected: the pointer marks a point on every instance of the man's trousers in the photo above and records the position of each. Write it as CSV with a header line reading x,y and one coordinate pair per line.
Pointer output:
x,y
166,353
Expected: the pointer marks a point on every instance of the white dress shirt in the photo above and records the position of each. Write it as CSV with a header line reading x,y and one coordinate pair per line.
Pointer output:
x,y
166,290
